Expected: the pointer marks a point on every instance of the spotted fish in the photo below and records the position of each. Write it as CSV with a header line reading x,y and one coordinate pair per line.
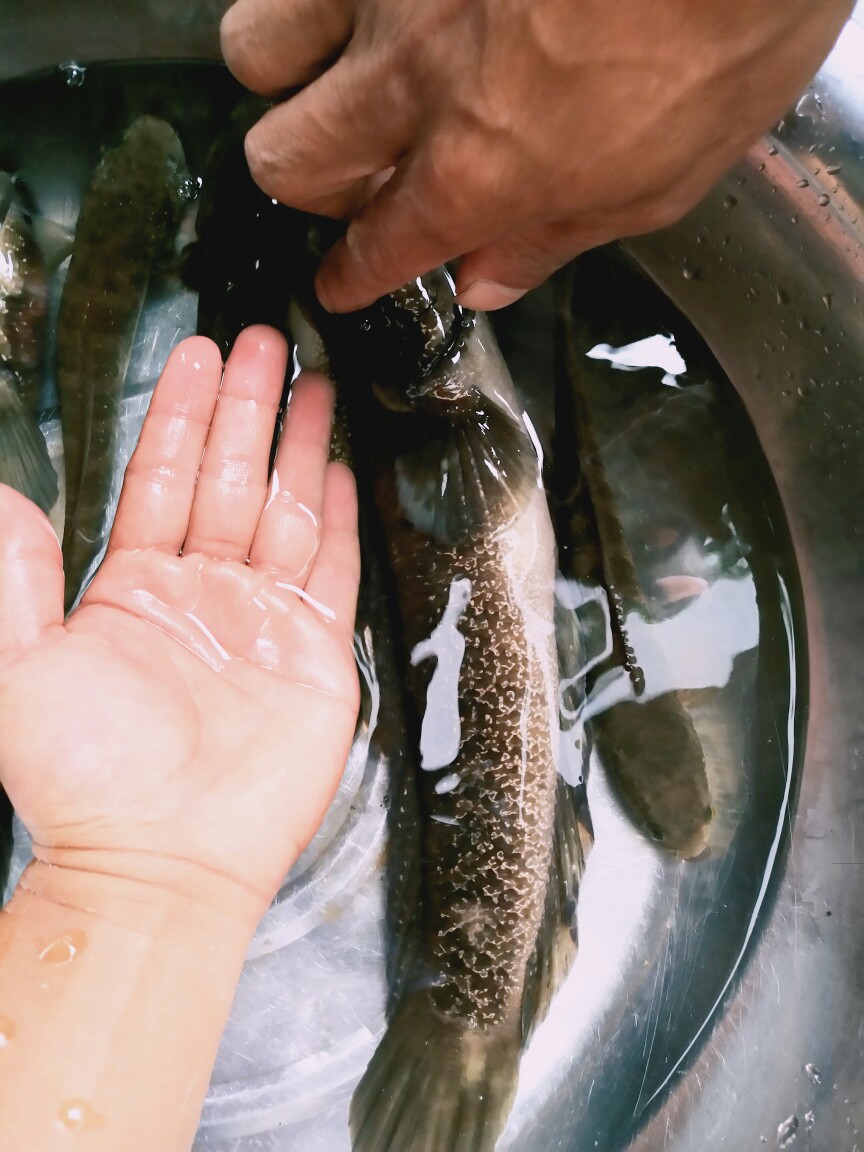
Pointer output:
x,y
648,745
484,907
24,274
126,227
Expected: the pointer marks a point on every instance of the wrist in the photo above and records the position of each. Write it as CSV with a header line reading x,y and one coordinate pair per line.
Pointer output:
x,y
114,992
145,892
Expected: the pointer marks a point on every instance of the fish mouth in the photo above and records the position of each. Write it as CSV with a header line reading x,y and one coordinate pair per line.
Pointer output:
x,y
691,844
697,847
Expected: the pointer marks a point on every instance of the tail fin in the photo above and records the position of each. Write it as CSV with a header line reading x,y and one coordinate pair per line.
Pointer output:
x,y
434,1085
24,461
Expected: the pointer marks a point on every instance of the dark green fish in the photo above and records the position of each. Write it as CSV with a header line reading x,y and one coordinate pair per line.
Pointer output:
x,y
126,227
649,747
24,273
241,259
486,915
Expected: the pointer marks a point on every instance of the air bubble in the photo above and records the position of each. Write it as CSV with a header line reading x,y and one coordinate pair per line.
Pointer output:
x,y
74,73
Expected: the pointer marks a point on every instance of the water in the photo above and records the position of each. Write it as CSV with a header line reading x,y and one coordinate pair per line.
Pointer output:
x,y
716,623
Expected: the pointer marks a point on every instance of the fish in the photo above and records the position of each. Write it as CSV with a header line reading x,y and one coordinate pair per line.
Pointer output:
x,y
126,227
648,745
489,841
243,243
24,275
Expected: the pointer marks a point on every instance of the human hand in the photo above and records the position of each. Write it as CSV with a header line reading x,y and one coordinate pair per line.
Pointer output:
x,y
187,725
521,131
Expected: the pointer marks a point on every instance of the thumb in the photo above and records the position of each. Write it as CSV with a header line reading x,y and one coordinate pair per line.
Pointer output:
x,y
497,274
31,573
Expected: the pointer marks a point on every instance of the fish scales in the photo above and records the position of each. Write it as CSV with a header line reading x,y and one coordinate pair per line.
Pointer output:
x,y
488,866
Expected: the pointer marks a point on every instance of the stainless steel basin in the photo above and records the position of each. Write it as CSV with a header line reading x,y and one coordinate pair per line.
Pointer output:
x,y
770,270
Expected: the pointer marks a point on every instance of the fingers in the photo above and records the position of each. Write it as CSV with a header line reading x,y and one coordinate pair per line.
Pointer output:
x,y
335,576
272,45
499,273
314,150
419,218
289,531
159,485
232,480
31,573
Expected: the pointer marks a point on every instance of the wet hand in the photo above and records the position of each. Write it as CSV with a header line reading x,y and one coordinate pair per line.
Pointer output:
x,y
520,132
187,725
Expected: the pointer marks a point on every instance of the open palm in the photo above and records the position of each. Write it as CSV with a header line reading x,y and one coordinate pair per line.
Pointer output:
x,y
199,704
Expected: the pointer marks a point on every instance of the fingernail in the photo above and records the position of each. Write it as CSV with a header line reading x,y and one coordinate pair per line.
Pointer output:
x,y
486,296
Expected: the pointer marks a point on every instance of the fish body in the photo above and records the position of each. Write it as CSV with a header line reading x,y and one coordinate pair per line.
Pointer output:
x,y
244,240
128,219
24,460
648,745
486,925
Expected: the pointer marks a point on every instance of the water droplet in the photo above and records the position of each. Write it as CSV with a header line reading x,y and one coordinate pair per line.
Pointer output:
x,y
730,202
826,300
64,949
810,105
188,189
833,169
803,183
782,297
7,1031
77,1114
787,1132
813,1073
690,272
74,73
809,1119
772,150
824,199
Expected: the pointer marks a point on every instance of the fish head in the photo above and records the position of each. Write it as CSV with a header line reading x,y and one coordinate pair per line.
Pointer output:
x,y
149,133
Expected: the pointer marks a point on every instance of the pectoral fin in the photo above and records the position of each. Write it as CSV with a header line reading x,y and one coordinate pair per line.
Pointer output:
x,y
465,470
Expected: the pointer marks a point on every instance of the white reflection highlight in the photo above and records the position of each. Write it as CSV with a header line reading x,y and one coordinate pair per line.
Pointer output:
x,y
652,352
441,731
